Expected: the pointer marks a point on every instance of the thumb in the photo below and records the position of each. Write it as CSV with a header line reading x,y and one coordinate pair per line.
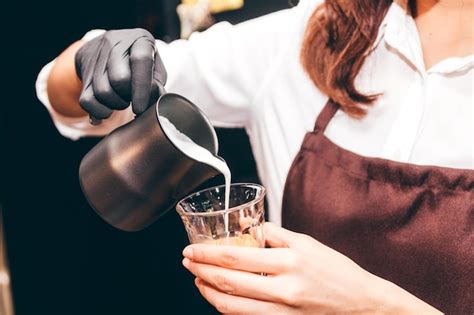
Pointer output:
x,y
159,71
159,80
276,236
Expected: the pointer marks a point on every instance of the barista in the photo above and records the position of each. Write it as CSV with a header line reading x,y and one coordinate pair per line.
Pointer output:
x,y
361,122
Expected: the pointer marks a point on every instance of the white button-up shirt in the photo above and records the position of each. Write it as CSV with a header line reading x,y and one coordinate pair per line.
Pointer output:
x,y
249,75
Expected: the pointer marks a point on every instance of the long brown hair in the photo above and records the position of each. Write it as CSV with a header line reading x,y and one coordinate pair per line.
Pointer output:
x,y
339,36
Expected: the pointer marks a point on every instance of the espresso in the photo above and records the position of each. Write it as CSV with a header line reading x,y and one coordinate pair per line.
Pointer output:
x,y
239,240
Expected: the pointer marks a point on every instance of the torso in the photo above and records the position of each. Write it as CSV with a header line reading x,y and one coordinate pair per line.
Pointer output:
x,y
406,223
423,117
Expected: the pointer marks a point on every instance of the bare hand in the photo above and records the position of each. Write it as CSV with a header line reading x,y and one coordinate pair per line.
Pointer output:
x,y
303,277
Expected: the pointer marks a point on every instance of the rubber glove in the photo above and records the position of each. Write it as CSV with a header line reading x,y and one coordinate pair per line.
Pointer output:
x,y
118,68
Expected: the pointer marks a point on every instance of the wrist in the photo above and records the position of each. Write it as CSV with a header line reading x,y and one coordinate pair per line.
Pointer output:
x,y
64,86
389,298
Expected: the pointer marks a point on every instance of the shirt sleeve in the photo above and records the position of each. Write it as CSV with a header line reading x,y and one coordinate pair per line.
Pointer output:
x,y
220,70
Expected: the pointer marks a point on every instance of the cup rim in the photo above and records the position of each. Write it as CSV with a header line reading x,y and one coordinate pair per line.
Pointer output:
x,y
219,212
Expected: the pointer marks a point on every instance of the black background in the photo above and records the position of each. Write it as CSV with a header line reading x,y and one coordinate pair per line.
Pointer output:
x,y
63,258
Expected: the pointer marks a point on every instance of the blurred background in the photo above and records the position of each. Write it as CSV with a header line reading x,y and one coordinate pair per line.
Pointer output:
x,y
63,258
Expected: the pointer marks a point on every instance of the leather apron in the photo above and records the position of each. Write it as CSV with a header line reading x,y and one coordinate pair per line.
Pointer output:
x,y
412,225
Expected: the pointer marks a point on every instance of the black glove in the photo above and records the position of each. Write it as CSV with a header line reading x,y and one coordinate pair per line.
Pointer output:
x,y
117,68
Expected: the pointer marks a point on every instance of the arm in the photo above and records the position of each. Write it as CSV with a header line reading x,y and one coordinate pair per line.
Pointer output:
x,y
220,70
64,86
305,277
104,61
393,299
223,69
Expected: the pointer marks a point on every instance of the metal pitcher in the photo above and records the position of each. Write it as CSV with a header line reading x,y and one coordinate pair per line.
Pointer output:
x,y
136,174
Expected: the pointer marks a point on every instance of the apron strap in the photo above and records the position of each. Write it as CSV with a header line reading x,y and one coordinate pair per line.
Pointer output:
x,y
325,116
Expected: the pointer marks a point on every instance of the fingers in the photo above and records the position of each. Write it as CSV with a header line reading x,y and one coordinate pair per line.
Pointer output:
x,y
276,236
159,72
231,304
235,282
121,69
91,105
105,94
249,259
141,64
154,93
119,73
103,91
159,80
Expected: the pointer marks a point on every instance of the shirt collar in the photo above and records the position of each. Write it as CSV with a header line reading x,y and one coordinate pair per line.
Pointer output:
x,y
399,31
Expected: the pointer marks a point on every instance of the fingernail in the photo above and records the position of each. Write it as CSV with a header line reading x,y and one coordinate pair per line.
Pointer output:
x,y
188,252
186,263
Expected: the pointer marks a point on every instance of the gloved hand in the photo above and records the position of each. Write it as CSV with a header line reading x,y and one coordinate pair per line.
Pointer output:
x,y
117,68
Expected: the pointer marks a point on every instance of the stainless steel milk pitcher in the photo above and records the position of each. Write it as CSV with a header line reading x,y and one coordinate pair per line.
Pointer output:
x,y
136,174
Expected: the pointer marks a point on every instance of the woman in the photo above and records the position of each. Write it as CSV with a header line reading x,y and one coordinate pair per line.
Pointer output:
x,y
382,185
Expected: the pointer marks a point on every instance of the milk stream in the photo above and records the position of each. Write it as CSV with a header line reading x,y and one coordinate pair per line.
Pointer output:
x,y
200,154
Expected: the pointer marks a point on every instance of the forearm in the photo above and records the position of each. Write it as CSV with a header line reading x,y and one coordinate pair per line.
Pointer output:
x,y
394,300
64,86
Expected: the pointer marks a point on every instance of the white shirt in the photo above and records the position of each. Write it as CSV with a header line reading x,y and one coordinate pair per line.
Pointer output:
x,y
250,76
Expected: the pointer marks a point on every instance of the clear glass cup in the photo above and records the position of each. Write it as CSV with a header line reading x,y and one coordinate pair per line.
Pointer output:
x,y
206,220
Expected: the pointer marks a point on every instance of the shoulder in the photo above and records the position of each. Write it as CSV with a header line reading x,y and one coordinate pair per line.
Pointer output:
x,y
305,10
309,5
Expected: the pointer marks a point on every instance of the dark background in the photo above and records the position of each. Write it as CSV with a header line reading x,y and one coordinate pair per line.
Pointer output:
x,y
63,258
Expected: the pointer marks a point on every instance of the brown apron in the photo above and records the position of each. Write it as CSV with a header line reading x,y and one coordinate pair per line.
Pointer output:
x,y
409,224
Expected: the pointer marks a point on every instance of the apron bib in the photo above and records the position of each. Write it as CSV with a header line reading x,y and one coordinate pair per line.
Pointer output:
x,y
409,224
